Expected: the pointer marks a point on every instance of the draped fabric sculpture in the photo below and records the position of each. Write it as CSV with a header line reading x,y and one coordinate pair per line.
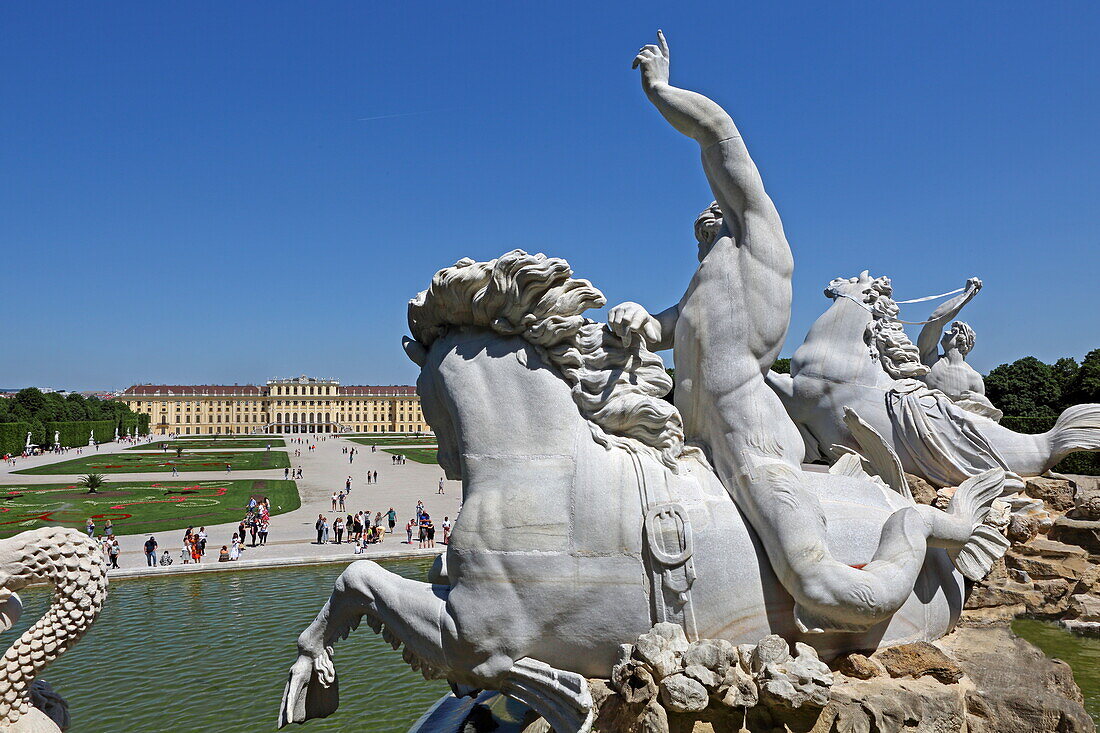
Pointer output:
x,y
707,519
858,357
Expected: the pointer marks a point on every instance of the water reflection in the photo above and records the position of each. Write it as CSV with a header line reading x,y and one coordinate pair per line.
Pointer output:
x,y
1080,652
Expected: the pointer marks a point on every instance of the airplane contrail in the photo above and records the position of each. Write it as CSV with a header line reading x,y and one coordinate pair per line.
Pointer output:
x,y
390,117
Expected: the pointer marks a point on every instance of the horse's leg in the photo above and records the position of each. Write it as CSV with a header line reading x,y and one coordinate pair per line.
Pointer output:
x,y
415,614
403,610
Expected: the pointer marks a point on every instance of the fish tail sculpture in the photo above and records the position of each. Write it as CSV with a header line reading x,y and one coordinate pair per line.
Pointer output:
x,y
74,565
1077,429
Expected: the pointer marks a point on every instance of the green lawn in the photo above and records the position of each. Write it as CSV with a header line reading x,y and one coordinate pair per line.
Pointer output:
x,y
227,443
420,455
139,507
163,462
394,441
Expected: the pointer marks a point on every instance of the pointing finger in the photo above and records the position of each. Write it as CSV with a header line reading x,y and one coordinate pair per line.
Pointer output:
x,y
661,40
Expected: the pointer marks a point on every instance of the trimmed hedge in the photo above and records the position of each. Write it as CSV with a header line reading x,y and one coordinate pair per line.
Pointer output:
x,y
1086,464
75,434
13,437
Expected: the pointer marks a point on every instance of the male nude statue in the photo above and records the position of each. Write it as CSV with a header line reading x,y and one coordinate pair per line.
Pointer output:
x,y
949,372
727,330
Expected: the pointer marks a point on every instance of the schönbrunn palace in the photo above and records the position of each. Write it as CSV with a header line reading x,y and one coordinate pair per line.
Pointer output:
x,y
298,405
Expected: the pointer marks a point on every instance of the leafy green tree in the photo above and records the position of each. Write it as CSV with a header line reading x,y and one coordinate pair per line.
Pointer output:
x,y
28,403
782,366
1085,385
1065,369
75,408
1025,388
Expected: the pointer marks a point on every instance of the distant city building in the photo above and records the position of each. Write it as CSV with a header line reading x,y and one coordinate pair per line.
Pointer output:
x,y
297,405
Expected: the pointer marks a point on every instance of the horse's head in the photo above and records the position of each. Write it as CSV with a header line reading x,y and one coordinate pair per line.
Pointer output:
x,y
498,342
862,288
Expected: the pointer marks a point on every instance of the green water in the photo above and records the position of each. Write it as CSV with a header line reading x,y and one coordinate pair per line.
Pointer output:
x,y
210,652
1080,652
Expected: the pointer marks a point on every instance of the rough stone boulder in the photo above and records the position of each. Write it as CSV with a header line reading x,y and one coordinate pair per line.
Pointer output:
x,y
917,660
1087,500
1056,493
923,492
979,680
1081,532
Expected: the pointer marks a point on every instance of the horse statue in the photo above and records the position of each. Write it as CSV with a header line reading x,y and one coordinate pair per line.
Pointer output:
x,y
857,357
586,519
73,563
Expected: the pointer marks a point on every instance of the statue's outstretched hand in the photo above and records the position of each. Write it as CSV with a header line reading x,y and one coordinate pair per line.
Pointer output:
x,y
974,284
627,319
653,61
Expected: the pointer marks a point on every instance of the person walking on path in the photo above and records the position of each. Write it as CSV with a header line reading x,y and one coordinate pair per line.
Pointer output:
x,y
286,473
263,532
376,477
320,527
113,551
440,487
409,531
446,530
341,502
324,531
347,486
228,468
391,517
151,551
202,540
333,501
338,528
89,527
108,529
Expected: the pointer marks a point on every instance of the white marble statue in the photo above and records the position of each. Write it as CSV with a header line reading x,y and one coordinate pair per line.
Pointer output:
x,y
57,437
74,565
116,433
91,437
949,372
857,356
593,509
28,445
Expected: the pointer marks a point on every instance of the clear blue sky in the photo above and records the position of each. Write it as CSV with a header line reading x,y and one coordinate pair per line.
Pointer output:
x,y
224,192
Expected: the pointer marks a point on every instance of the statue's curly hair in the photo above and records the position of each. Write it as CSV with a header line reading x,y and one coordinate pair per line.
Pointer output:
x,y
961,335
618,389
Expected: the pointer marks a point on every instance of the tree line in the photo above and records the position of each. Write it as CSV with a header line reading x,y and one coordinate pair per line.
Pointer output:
x,y
1030,388
73,416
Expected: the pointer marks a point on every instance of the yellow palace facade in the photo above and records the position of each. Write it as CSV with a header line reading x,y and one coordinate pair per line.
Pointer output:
x,y
297,405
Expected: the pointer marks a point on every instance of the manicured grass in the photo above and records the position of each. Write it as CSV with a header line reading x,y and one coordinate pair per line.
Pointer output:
x,y
394,441
163,462
420,455
227,443
139,507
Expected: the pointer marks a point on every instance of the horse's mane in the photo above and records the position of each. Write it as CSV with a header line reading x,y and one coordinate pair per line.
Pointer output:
x,y
885,336
618,389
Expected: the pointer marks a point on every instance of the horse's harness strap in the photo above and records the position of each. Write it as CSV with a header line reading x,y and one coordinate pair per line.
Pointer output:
x,y
668,546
